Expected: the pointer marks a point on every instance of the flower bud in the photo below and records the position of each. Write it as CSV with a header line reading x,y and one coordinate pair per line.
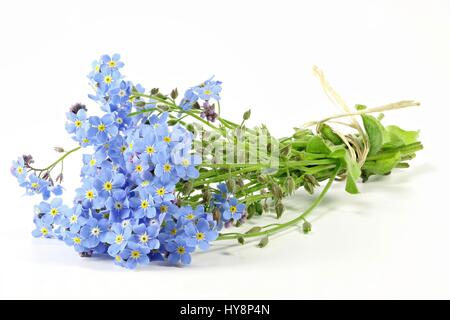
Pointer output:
x,y
163,107
86,254
207,196
290,185
187,187
258,208
308,187
46,175
59,149
264,242
28,160
262,179
311,179
276,191
307,227
251,210
231,185
216,214
59,178
77,107
247,114
279,209
240,182
190,127
174,93
154,91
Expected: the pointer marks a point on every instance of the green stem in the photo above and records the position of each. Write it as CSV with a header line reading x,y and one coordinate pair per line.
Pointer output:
x,y
51,166
283,226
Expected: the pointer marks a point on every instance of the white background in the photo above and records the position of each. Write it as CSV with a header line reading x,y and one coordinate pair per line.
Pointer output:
x,y
391,241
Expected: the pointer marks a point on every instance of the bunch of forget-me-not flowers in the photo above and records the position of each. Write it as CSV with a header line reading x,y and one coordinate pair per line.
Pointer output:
x,y
155,187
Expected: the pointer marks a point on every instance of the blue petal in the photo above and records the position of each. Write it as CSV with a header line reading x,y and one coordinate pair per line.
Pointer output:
x,y
186,259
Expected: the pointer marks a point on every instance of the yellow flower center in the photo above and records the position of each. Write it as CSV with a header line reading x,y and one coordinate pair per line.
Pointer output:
x,y
145,183
167,167
78,123
144,238
92,162
144,204
85,140
200,236
112,64
135,254
150,150
161,191
118,205
139,168
107,79
122,93
190,216
76,240
101,127
167,139
107,186
118,259
208,92
233,209
173,231
20,170
54,212
185,162
119,120
34,185
164,209
73,219
119,239
90,194
123,149
181,250
44,231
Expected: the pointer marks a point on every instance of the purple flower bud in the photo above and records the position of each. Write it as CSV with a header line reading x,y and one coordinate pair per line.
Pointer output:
x,y
86,254
77,107
209,112
59,178
28,160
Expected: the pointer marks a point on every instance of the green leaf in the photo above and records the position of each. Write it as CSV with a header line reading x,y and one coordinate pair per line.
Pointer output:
x,y
353,174
377,134
328,133
317,145
383,166
399,137
353,170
